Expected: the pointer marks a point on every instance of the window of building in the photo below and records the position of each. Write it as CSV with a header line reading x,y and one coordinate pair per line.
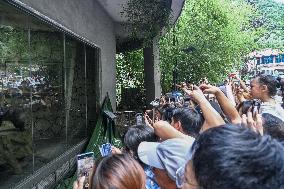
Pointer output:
x,y
48,93
267,59
258,61
282,57
278,59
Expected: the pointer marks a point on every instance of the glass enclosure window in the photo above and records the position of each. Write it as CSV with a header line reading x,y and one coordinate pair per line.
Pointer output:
x,y
48,93
92,66
47,84
15,98
75,91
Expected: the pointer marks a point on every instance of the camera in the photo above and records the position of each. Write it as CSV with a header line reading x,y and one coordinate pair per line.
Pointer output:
x,y
154,103
256,106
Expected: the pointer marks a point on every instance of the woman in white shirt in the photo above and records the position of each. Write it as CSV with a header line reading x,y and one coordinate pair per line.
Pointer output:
x,y
264,88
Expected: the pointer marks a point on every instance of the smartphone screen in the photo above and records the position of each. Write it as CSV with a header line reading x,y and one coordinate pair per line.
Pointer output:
x,y
105,149
85,163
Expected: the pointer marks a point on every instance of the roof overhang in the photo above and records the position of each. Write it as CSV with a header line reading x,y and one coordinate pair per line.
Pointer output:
x,y
122,25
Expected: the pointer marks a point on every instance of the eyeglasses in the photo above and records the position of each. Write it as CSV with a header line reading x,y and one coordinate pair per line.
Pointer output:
x,y
180,177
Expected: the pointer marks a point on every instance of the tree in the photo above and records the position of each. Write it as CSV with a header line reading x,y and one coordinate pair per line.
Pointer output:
x,y
272,18
129,74
211,39
129,67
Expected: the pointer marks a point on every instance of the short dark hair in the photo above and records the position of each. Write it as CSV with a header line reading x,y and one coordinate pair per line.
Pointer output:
x,y
270,82
191,121
168,114
236,157
137,134
273,126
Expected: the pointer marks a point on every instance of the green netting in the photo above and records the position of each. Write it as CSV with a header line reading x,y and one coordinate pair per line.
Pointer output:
x,y
97,139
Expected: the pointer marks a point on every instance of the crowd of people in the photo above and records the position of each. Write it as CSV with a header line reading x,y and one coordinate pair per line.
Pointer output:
x,y
228,137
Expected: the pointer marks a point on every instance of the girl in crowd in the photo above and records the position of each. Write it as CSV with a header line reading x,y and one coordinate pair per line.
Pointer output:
x,y
264,88
116,171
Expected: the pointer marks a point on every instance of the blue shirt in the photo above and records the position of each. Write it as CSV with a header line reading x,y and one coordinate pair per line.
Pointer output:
x,y
150,181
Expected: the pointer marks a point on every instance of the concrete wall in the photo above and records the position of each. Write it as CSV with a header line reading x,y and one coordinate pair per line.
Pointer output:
x,y
89,20
152,72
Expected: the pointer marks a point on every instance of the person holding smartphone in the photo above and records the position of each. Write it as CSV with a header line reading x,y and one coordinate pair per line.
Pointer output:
x,y
115,171
264,88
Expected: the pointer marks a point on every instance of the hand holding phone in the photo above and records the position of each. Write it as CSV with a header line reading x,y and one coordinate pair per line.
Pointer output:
x,y
85,164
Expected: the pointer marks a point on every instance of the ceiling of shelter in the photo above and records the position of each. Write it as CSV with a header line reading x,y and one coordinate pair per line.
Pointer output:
x,y
125,42
115,7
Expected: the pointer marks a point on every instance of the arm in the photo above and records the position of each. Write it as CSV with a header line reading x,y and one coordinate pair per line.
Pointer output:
x,y
211,116
165,131
243,85
226,106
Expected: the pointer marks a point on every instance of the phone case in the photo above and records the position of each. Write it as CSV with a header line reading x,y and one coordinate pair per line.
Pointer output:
x,y
85,164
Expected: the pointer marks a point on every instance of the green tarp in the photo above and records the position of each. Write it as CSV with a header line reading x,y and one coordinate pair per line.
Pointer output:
x,y
98,138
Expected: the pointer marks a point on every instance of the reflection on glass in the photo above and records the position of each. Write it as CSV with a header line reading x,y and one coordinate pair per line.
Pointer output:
x,y
15,111
46,81
46,103
75,93
92,59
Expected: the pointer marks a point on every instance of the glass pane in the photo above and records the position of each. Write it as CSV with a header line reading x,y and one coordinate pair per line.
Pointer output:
x,y
44,108
15,104
92,64
47,83
75,90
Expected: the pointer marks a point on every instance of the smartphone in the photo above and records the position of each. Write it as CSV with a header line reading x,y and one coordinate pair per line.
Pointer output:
x,y
256,106
105,149
85,164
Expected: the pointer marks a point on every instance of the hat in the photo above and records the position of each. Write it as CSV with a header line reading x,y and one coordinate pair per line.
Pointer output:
x,y
170,155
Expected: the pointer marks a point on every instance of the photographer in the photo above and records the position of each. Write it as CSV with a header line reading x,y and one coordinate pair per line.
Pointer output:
x,y
227,107
115,171
264,88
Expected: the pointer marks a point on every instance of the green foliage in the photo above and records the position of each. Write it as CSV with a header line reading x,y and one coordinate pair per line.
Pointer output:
x,y
147,17
130,74
211,39
129,67
44,46
272,15
129,71
13,43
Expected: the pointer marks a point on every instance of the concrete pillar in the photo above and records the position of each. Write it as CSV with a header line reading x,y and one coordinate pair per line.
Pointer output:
x,y
152,73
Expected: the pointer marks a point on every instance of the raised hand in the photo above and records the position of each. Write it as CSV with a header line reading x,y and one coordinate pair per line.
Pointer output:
x,y
253,120
78,184
115,150
148,120
196,94
209,89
